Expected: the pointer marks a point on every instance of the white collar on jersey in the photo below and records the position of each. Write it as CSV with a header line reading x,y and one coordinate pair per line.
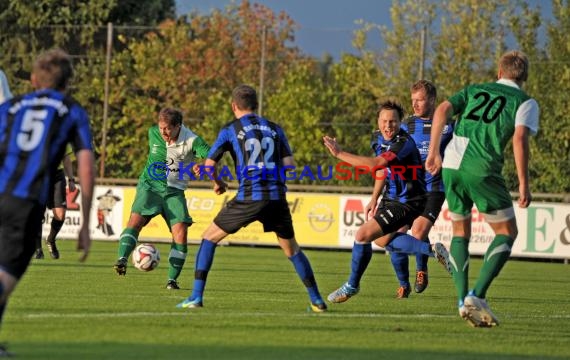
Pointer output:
x,y
508,82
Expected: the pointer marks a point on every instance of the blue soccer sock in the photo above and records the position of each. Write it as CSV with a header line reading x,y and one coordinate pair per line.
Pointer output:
x,y
361,255
305,272
408,244
422,259
204,259
400,262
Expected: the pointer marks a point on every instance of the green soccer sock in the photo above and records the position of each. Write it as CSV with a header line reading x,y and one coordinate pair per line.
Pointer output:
x,y
127,242
176,259
459,258
495,258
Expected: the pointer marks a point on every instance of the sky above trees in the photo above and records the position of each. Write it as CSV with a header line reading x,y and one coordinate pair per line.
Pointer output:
x,y
327,26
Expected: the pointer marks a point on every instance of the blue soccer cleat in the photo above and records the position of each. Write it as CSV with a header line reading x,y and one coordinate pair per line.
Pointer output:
x,y
190,304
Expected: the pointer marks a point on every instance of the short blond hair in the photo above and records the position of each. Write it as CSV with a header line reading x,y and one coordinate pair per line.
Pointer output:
x,y
514,66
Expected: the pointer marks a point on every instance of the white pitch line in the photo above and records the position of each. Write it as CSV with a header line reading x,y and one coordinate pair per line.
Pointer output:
x,y
199,313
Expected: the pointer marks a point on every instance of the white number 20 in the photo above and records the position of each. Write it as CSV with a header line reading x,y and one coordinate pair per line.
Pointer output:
x,y
32,129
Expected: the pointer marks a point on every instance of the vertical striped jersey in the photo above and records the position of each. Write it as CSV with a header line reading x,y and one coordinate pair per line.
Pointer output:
x,y
420,131
34,131
257,147
405,178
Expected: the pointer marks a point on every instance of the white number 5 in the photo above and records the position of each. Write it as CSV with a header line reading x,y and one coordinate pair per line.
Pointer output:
x,y
32,129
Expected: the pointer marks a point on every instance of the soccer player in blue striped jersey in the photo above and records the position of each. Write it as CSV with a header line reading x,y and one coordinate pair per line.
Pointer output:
x,y
259,149
403,201
418,126
34,131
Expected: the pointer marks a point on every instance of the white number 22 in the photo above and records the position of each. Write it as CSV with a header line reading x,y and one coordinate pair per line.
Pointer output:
x,y
255,147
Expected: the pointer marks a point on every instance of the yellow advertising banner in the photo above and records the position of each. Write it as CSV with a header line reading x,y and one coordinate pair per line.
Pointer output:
x,y
315,219
320,220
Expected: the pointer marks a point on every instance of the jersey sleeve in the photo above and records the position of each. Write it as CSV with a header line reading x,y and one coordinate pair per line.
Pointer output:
x,y
527,115
154,138
459,101
285,149
200,148
221,145
81,138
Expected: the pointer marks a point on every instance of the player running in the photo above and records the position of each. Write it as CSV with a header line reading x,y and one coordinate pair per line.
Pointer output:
x,y
489,115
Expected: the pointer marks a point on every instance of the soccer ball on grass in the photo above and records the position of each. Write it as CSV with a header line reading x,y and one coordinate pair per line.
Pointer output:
x,y
146,257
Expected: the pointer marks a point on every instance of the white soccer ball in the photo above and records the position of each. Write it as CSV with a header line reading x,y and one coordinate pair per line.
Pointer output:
x,y
146,257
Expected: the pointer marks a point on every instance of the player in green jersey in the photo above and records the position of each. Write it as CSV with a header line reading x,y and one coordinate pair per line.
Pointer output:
x,y
160,190
489,115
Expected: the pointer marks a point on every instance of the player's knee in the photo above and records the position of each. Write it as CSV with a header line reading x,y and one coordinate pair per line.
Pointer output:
x,y
364,235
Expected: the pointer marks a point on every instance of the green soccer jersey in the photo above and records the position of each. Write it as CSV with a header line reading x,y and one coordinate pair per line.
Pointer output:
x,y
162,169
153,175
485,123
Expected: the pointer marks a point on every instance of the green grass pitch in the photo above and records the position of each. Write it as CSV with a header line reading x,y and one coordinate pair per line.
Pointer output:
x,y
255,307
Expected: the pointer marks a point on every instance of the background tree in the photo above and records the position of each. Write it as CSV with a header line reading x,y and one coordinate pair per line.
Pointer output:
x,y
193,62
550,75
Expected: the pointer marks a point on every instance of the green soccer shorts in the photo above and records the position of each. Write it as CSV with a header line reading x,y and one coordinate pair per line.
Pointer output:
x,y
488,192
171,205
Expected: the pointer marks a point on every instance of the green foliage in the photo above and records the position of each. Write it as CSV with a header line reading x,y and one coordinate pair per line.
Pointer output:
x,y
143,13
299,105
465,40
194,62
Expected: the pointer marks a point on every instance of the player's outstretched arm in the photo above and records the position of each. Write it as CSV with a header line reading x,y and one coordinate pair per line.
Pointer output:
x,y
443,112
354,160
86,172
521,154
